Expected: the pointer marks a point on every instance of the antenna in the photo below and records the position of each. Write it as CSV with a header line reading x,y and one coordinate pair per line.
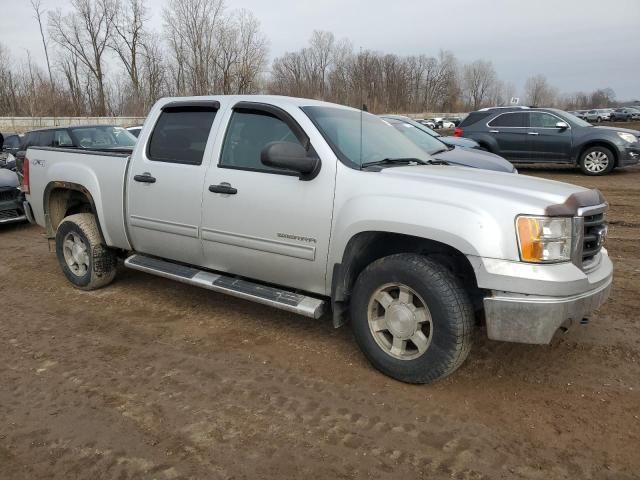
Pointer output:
x,y
363,106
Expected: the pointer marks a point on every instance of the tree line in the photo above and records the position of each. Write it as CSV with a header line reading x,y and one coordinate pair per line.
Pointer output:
x,y
102,59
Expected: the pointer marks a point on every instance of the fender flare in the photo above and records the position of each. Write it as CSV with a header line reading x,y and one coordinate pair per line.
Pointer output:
x,y
55,185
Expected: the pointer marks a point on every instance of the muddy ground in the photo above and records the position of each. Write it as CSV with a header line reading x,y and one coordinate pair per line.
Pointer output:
x,y
152,379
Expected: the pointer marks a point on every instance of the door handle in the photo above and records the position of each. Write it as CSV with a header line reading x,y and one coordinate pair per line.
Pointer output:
x,y
533,133
224,187
494,131
145,178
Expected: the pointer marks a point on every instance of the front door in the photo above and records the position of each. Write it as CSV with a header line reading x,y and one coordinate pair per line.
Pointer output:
x,y
263,223
548,142
166,180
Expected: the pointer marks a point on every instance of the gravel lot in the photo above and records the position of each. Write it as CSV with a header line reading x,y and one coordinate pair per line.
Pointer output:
x,y
152,379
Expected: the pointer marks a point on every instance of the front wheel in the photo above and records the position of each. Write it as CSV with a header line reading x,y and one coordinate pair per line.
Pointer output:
x,y
597,161
412,318
86,262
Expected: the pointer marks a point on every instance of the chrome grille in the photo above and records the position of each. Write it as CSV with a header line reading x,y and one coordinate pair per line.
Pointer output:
x,y
594,233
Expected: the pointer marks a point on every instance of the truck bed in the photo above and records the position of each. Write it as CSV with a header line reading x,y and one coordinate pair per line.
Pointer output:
x,y
101,173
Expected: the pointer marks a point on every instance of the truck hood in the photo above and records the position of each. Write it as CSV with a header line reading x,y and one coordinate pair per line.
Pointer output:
x,y
8,178
485,191
467,157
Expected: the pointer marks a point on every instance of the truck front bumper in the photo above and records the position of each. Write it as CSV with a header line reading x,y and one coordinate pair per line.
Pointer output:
x,y
536,319
554,296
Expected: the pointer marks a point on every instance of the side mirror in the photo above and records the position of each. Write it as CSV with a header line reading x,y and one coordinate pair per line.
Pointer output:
x,y
290,156
562,125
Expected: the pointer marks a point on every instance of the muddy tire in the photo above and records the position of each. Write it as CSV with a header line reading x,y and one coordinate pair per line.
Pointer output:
x,y
412,318
86,262
597,161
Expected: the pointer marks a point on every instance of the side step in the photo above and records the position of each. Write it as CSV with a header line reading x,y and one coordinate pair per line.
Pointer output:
x,y
266,295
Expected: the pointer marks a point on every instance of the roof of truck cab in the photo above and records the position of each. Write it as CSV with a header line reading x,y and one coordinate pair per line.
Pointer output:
x,y
277,100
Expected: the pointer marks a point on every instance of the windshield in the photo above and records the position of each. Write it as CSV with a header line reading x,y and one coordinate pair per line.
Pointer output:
x,y
358,138
418,136
102,137
573,119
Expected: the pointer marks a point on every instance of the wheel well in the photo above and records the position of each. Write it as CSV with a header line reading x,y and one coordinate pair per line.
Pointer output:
x,y
367,247
62,202
599,143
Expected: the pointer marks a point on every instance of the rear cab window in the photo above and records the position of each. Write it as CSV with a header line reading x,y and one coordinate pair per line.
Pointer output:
x,y
510,120
181,133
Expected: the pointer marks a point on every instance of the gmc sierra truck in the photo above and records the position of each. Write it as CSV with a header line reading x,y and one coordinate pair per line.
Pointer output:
x,y
308,207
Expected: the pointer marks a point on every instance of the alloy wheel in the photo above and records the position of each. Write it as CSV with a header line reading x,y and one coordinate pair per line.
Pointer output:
x,y
400,321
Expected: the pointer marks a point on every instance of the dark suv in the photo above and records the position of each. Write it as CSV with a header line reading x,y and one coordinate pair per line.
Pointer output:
x,y
625,114
93,137
533,135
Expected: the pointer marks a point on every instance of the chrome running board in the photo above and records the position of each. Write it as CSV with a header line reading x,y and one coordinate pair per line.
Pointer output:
x,y
248,290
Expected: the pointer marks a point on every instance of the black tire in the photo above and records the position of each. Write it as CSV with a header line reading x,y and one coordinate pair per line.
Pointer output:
x,y
452,318
587,170
102,262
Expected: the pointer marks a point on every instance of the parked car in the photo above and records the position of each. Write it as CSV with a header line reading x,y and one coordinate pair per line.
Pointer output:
x,y
580,114
11,143
625,114
135,131
427,123
93,137
550,135
452,155
597,115
305,205
442,123
455,120
448,140
11,208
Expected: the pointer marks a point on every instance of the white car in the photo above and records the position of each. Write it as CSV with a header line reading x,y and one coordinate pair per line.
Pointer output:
x,y
135,131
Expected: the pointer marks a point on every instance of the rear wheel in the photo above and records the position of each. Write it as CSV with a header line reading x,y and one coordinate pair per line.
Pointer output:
x,y
412,318
597,161
86,262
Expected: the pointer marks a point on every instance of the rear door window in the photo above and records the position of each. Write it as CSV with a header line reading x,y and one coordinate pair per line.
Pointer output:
x,y
180,134
510,119
62,139
45,138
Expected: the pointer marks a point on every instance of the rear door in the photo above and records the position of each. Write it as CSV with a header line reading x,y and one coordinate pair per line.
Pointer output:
x,y
548,142
165,182
510,129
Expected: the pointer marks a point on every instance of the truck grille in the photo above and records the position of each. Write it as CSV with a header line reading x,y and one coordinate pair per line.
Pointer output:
x,y
594,231
8,194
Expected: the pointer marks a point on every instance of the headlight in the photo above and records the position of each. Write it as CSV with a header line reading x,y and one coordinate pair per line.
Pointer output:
x,y
544,239
627,137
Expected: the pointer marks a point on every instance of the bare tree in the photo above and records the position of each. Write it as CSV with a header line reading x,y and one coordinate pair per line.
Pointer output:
x,y
129,36
538,92
192,26
253,50
85,33
478,79
36,5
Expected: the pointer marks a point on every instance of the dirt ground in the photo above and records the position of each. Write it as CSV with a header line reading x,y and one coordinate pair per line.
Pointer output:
x,y
152,379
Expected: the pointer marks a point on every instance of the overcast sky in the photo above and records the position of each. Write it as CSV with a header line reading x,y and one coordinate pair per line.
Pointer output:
x,y
580,45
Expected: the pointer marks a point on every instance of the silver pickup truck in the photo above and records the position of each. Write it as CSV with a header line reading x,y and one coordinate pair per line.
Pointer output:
x,y
309,206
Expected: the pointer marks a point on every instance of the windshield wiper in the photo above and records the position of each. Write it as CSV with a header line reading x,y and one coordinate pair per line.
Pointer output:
x,y
397,161
442,150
